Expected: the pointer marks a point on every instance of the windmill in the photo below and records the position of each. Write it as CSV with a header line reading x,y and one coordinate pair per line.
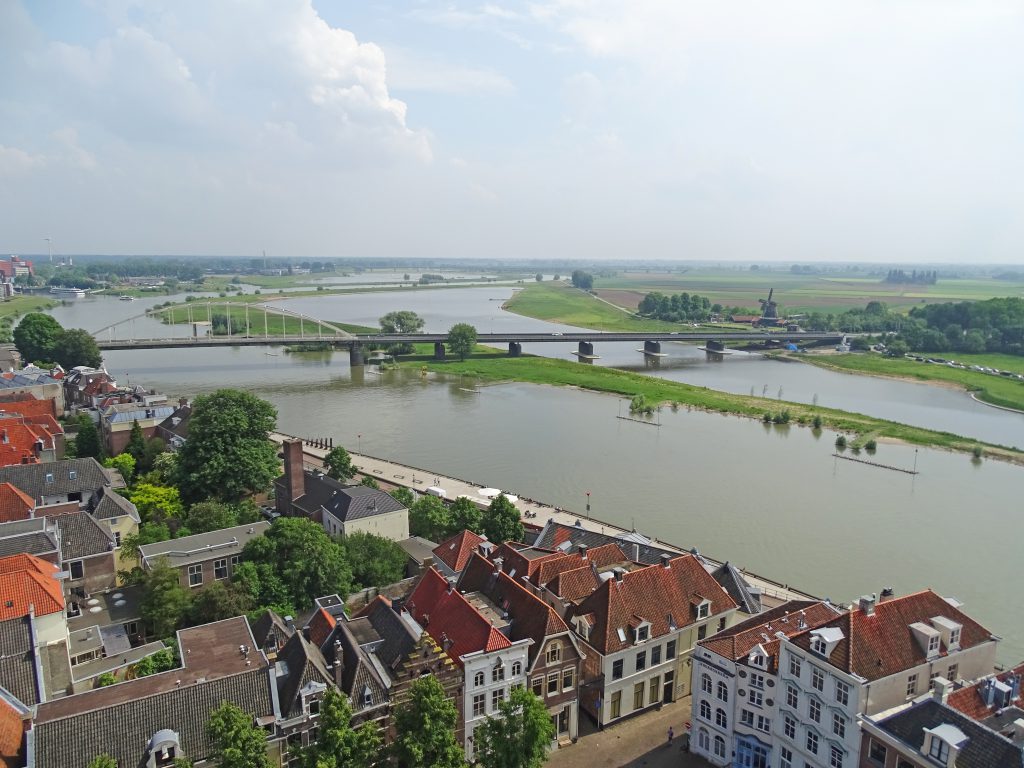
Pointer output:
x,y
769,310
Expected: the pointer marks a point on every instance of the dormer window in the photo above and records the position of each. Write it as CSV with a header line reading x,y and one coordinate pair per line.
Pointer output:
x,y
554,653
933,645
954,638
643,632
939,750
49,477
818,645
73,474
704,609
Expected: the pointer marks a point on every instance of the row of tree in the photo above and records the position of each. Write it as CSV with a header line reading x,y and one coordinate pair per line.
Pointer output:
x,y
41,339
924,277
582,280
678,308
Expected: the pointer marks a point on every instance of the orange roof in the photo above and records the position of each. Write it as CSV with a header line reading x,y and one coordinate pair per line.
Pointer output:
x,y
15,504
27,404
455,551
25,581
320,627
18,438
12,730
971,699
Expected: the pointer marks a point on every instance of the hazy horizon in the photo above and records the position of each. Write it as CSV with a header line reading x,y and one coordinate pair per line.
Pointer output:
x,y
672,130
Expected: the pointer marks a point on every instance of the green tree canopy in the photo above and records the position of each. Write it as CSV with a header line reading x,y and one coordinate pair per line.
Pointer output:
x,y
87,439
402,322
338,463
339,745
461,340
228,453
136,447
308,562
430,518
235,739
370,482
376,561
403,496
218,601
123,463
502,522
36,336
518,736
74,347
156,503
426,728
210,516
165,603
103,761
466,516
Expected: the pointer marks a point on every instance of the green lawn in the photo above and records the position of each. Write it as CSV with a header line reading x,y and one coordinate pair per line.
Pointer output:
x,y
496,366
569,306
20,305
259,321
992,389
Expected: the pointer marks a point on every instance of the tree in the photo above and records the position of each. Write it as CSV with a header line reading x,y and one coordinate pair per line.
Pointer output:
x,y
218,601
339,745
161,661
896,348
235,739
123,463
87,439
165,603
228,453
370,482
461,339
263,586
426,728
375,560
518,736
401,322
74,347
403,496
156,503
582,280
136,446
103,761
430,518
36,336
339,464
210,516
538,277
502,521
308,562
466,515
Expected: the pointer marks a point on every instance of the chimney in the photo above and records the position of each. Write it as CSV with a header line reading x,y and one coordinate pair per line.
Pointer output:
x,y
583,551
483,548
867,604
339,663
636,552
294,479
1018,730
499,563
618,574
665,557
941,689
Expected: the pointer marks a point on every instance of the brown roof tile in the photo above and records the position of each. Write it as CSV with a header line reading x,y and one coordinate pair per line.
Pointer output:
x,y
455,551
14,503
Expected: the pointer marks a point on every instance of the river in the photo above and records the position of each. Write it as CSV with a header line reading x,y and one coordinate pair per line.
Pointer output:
x,y
771,499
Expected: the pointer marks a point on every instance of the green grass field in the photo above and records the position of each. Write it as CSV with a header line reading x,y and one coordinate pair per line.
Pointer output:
x,y
494,365
804,293
992,389
260,322
20,305
559,303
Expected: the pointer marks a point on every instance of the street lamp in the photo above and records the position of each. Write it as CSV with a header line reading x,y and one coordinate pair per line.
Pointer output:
x,y
588,505
359,443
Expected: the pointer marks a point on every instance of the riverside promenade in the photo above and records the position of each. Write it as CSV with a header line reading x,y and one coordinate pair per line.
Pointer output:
x,y
390,473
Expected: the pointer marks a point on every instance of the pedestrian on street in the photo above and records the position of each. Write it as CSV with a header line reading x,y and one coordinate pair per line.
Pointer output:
x,y
670,735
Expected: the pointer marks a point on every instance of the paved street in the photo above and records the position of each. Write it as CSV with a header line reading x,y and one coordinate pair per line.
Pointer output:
x,y
640,742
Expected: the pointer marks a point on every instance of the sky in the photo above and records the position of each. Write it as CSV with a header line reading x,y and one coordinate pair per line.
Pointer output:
x,y
814,130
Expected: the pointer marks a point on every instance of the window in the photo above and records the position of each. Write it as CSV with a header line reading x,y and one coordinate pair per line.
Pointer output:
x,y
953,669
877,752
641,660
789,727
554,654
497,697
220,569
480,705
786,758
517,668
702,631
49,477
818,645
763,724
705,710
195,575
638,696
77,568
842,692
814,710
616,704
931,680
933,644
478,679
719,746
653,687
568,678
235,560
792,697
617,670
703,739
538,686
498,672
839,725
721,624
812,742
117,538
704,610
757,681
747,718
939,750
794,666
643,633
756,698
954,637
835,759
723,691
552,684
705,683
670,649
313,706
911,685
721,720
656,655
817,679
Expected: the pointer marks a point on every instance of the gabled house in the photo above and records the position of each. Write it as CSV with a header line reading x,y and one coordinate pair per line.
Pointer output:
x,y
735,683
872,658
31,587
203,558
85,387
555,657
174,429
88,556
451,555
29,439
15,504
639,628
117,421
302,682
33,536
474,634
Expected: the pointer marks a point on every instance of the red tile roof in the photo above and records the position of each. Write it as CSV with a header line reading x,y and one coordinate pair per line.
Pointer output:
x,y
970,700
450,619
883,644
576,584
15,504
18,438
509,552
28,404
455,551
12,730
602,557
531,616
320,627
26,580
655,594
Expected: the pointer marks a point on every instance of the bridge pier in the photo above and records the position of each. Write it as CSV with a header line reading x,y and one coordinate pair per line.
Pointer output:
x,y
355,355
652,347
439,350
515,349
715,350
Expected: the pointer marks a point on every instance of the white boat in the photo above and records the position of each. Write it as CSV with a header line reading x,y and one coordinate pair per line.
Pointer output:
x,y
71,293
126,298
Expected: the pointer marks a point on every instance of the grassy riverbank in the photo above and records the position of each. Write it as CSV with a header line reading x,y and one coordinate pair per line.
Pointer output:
x,y
20,305
997,390
494,365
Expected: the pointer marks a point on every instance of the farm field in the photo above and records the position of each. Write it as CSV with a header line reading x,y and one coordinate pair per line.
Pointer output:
x,y
795,292
560,303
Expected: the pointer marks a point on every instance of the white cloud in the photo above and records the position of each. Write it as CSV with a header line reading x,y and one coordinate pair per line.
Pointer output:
x,y
408,71
16,162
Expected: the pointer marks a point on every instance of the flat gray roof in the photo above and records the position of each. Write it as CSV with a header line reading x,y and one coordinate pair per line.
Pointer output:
x,y
203,546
